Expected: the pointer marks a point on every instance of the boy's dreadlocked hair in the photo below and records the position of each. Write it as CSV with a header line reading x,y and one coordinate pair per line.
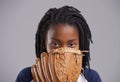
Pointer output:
x,y
64,15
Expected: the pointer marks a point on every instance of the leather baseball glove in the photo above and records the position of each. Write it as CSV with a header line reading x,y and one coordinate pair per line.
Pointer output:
x,y
59,65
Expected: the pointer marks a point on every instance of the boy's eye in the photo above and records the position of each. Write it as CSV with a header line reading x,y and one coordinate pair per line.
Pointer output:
x,y
56,44
71,45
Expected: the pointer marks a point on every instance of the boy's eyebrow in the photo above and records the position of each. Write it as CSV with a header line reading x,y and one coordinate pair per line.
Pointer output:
x,y
72,40
67,41
59,40
55,39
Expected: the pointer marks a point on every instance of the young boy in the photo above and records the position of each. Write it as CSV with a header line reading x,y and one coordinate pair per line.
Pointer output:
x,y
59,28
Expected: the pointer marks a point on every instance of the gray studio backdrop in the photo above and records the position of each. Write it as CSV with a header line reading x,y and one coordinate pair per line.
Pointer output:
x,y
18,24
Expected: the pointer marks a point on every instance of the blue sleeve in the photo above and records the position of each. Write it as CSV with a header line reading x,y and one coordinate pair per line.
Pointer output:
x,y
24,75
92,75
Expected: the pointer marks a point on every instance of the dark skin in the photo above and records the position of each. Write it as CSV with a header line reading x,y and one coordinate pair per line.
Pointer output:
x,y
62,35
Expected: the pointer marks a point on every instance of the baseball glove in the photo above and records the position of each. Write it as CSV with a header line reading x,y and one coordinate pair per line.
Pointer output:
x,y
59,65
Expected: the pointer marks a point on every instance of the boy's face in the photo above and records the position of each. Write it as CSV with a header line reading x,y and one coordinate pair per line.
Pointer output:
x,y
62,35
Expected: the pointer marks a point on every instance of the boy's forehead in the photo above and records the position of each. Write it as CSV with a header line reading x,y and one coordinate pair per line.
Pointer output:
x,y
63,33
63,29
